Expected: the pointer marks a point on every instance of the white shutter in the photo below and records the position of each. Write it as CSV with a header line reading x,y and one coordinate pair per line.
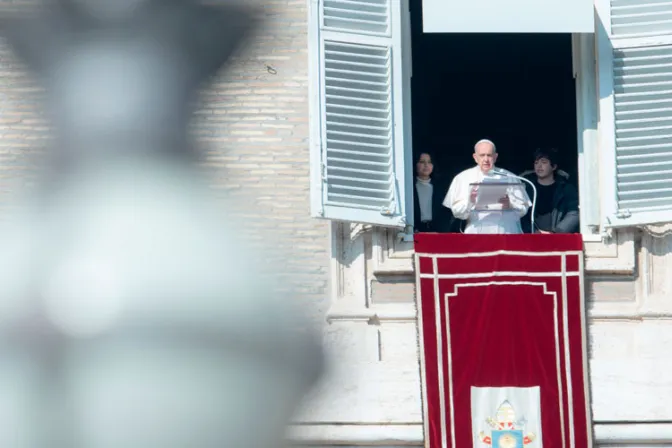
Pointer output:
x,y
357,159
630,18
640,58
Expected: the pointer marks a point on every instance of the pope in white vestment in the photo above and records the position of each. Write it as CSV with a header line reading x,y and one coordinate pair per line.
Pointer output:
x,y
461,197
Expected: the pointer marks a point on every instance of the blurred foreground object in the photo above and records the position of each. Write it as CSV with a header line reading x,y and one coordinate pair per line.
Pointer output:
x,y
130,315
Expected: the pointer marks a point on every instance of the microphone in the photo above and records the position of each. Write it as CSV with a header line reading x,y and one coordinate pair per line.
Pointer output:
x,y
505,173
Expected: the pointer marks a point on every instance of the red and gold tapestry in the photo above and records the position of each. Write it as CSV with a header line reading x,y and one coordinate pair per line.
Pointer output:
x,y
503,341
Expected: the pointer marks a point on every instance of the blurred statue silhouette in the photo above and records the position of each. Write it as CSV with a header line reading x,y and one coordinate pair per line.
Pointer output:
x,y
130,314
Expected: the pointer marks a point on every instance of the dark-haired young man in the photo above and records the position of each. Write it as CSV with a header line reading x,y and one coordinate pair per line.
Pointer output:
x,y
557,205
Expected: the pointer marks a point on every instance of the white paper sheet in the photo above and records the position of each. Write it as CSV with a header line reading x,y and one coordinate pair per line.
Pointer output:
x,y
489,196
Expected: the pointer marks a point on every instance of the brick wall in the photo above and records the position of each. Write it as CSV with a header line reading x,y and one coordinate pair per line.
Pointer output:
x,y
253,125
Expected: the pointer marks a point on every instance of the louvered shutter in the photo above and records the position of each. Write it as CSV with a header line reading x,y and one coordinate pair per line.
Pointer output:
x,y
358,159
640,37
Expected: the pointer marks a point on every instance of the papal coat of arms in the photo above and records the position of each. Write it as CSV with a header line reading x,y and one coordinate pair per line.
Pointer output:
x,y
505,431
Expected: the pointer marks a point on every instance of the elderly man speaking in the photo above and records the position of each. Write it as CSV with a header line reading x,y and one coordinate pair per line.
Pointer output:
x,y
462,195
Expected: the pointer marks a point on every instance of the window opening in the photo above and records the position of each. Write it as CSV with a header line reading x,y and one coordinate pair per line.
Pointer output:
x,y
517,90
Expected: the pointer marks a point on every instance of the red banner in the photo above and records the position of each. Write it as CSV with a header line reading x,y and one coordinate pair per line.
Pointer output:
x,y
503,341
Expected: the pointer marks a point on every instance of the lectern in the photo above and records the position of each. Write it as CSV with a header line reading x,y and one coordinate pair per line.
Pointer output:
x,y
503,340
489,213
489,194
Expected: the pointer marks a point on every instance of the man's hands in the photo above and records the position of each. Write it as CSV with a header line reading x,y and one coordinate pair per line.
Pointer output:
x,y
473,195
506,202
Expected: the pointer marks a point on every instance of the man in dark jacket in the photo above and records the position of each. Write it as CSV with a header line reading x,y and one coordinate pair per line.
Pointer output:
x,y
557,201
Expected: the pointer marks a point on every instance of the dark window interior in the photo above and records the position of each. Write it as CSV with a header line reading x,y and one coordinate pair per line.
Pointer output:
x,y
515,89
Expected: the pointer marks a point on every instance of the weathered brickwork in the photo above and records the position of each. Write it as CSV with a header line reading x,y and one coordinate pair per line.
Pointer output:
x,y
253,125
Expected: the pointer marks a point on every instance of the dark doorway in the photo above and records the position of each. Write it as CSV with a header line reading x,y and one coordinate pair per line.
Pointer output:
x,y
514,89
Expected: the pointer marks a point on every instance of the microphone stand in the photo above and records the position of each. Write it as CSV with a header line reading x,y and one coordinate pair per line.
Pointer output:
x,y
534,191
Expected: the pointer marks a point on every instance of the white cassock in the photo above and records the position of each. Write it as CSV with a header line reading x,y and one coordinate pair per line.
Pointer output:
x,y
487,222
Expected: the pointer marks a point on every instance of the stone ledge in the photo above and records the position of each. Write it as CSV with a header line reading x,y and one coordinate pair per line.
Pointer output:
x,y
610,434
361,435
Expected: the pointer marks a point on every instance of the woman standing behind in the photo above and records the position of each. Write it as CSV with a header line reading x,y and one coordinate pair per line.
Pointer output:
x,y
429,213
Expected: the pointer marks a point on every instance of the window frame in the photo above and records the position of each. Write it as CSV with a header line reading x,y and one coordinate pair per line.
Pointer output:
x,y
585,70
605,98
588,143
